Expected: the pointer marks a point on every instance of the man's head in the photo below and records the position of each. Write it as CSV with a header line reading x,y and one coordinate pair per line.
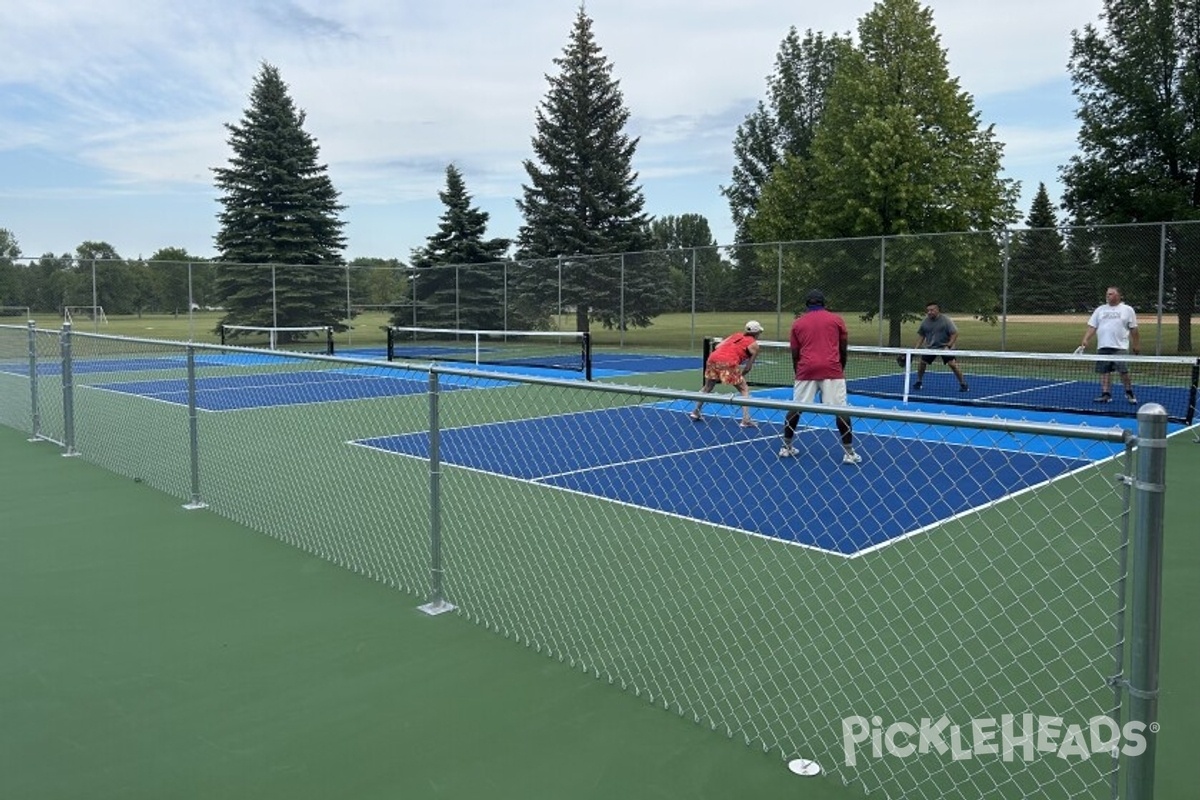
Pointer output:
x,y
1113,296
754,327
933,309
815,299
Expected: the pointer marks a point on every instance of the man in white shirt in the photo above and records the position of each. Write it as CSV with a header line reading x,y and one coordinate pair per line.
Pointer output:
x,y
1114,325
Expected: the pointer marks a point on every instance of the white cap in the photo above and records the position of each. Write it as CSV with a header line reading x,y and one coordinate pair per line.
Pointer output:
x,y
754,326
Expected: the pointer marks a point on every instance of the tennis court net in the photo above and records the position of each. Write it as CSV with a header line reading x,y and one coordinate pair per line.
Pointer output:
x,y
311,339
560,350
1035,381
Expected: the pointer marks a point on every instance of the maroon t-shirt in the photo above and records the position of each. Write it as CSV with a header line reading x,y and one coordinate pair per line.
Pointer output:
x,y
817,335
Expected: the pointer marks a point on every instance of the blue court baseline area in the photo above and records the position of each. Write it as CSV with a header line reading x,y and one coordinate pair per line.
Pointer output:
x,y
238,392
697,470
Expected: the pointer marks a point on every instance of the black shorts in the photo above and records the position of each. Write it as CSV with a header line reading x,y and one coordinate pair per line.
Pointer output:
x,y
931,359
1111,366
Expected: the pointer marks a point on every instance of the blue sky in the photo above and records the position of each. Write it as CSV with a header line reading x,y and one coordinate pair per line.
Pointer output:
x,y
112,112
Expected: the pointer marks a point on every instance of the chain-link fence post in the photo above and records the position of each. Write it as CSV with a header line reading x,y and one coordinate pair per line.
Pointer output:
x,y
437,602
1149,489
68,390
193,432
35,416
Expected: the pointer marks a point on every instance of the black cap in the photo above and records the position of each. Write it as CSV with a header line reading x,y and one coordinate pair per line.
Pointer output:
x,y
815,298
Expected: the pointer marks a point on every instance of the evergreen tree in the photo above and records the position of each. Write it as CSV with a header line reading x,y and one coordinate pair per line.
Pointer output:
x,y
1036,266
900,150
458,280
1138,85
279,208
583,199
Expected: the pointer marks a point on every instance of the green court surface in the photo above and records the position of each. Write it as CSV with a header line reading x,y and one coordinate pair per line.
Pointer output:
x,y
147,651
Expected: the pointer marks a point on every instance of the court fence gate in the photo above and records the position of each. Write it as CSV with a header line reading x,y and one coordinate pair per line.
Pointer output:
x,y
972,611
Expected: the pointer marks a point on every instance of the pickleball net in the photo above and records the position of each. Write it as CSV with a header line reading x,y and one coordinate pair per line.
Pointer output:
x,y
556,350
300,339
1035,381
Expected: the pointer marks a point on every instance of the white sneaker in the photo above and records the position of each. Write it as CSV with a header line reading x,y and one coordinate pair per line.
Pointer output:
x,y
787,451
851,458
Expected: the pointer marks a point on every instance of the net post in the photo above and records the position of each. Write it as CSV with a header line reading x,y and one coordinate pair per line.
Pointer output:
x,y
329,340
193,432
587,355
35,413
223,335
437,602
68,390
1149,489
391,343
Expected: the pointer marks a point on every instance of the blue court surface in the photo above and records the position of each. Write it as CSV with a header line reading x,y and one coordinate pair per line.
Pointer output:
x,y
629,455
237,392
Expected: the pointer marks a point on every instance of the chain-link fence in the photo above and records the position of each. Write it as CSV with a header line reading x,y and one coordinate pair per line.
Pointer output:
x,y
882,282
944,620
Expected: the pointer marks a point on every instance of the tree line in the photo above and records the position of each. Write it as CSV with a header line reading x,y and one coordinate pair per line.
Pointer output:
x,y
865,139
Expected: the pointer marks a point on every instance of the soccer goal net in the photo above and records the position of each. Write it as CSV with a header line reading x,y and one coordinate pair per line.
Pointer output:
x,y
15,312
90,313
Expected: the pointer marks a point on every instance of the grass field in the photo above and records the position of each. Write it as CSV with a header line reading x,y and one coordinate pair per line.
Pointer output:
x,y
683,333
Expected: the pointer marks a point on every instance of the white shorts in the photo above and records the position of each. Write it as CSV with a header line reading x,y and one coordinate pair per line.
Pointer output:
x,y
833,391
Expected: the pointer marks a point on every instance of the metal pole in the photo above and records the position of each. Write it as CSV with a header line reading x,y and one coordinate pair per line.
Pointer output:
x,y
68,390
437,602
779,288
193,432
349,311
274,306
1004,294
692,333
191,306
882,268
1162,267
1149,489
95,303
36,416
622,316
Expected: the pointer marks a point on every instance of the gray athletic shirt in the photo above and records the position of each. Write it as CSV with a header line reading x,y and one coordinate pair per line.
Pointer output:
x,y
937,332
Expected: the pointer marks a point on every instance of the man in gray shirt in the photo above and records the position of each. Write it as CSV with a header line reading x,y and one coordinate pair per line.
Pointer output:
x,y
938,332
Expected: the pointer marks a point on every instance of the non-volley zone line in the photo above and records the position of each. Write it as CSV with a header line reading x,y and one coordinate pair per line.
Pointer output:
x,y
89,365
264,390
654,457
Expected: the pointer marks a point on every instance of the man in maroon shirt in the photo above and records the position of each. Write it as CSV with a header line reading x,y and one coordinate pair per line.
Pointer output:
x,y
818,342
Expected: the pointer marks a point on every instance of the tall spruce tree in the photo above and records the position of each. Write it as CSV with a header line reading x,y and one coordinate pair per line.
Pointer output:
x,y
279,208
583,198
1036,265
458,280
1137,80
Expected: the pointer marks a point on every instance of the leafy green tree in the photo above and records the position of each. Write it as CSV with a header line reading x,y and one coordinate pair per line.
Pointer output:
x,y
583,199
698,273
99,264
900,150
179,278
458,280
786,123
1036,267
279,208
1137,80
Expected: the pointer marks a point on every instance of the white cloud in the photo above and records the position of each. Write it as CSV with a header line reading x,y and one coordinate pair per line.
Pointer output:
x,y
138,90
